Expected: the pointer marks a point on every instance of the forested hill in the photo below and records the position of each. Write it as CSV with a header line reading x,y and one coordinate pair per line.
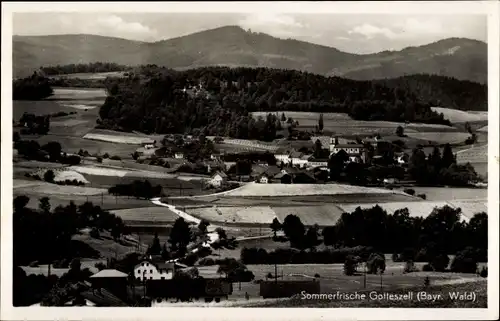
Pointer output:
x,y
233,46
444,91
224,97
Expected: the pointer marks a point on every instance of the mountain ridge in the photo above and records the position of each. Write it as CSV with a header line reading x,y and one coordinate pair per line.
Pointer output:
x,y
461,58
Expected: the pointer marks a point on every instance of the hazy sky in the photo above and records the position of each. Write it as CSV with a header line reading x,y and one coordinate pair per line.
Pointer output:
x,y
360,33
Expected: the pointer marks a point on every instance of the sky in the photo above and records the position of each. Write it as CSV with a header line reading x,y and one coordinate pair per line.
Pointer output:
x,y
355,33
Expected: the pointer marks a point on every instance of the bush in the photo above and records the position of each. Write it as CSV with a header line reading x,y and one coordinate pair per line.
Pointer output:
x,y
427,281
206,261
375,263
427,268
395,257
422,196
484,272
49,176
100,266
409,191
440,262
409,267
317,276
94,233
115,158
350,265
99,159
465,261
106,155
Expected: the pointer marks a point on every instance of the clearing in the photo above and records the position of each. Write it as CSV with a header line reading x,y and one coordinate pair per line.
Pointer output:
x,y
37,187
460,116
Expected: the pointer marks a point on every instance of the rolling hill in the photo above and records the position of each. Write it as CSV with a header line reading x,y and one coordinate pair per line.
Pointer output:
x,y
460,58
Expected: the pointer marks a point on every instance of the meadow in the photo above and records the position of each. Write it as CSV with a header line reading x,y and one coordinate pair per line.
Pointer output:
x,y
460,116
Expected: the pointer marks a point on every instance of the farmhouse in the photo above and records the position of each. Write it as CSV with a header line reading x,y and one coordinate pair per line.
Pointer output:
x,y
282,156
149,270
111,280
218,179
356,152
317,162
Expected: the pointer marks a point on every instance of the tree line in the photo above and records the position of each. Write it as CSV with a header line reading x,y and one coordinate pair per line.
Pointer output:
x,y
138,189
428,239
91,67
444,91
228,96
44,234
35,87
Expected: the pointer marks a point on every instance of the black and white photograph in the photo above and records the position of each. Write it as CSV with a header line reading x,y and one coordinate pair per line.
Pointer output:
x,y
260,156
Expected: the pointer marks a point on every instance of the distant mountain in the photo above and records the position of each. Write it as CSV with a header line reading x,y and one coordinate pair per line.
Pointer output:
x,y
460,58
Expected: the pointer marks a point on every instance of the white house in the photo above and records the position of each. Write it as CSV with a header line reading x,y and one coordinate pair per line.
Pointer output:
x,y
147,270
179,155
356,152
297,159
263,179
218,179
282,156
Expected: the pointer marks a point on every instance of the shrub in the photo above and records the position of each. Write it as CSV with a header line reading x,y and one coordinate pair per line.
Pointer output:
x,y
409,267
484,272
106,155
115,158
395,257
427,281
350,265
317,275
409,191
49,176
99,159
375,263
427,268
440,262
269,276
422,196
465,261
94,233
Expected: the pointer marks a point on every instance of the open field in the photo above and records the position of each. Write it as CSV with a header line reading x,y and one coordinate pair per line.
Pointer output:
x,y
154,215
323,215
92,75
269,190
460,116
342,124
440,137
105,201
451,193
119,139
476,154
245,215
21,186
98,94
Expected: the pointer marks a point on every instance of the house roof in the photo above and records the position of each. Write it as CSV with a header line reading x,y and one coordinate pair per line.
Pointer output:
x,y
109,273
102,297
272,170
306,157
349,146
296,154
281,151
222,174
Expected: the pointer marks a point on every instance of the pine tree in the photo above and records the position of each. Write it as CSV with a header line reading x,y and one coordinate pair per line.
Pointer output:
x,y
448,157
320,122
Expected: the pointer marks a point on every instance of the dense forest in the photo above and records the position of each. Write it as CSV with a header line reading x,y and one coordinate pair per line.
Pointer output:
x,y
223,98
35,87
444,91
83,68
